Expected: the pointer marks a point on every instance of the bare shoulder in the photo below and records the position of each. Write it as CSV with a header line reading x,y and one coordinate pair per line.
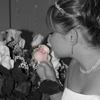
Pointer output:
x,y
93,83
89,84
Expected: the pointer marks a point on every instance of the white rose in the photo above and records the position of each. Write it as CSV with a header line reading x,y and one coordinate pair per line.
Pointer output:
x,y
37,39
4,50
7,62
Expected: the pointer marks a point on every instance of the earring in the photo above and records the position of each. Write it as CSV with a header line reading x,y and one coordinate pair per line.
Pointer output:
x,y
72,46
72,50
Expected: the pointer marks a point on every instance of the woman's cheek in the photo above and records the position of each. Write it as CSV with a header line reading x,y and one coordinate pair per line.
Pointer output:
x,y
58,45
55,47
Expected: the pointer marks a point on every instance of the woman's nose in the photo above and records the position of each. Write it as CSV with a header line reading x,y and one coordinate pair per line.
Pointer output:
x,y
49,38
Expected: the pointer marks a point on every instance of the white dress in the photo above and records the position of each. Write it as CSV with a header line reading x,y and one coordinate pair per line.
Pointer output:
x,y
71,95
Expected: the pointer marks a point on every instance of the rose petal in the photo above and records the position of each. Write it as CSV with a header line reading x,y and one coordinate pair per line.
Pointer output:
x,y
41,53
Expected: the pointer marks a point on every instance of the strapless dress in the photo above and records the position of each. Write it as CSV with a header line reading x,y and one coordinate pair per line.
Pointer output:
x,y
71,95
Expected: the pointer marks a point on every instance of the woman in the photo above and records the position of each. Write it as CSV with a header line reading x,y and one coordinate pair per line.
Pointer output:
x,y
76,25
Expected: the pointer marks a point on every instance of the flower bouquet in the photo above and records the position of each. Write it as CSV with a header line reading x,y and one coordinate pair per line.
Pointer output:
x,y
19,68
14,65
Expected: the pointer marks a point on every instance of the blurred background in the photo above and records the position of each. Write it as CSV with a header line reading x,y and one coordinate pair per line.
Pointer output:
x,y
24,14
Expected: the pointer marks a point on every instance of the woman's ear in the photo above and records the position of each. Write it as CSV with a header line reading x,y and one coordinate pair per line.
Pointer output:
x,y
73,36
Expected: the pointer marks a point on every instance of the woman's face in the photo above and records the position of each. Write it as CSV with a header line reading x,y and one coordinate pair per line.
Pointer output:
x,y
60,45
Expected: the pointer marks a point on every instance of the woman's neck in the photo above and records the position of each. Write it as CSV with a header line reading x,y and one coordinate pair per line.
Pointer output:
x,y
87,57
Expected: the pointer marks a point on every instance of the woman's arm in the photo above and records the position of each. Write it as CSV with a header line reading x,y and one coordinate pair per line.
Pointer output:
x,y
45,71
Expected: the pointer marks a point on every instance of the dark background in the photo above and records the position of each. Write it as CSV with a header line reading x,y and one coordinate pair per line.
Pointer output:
x,y
24,14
